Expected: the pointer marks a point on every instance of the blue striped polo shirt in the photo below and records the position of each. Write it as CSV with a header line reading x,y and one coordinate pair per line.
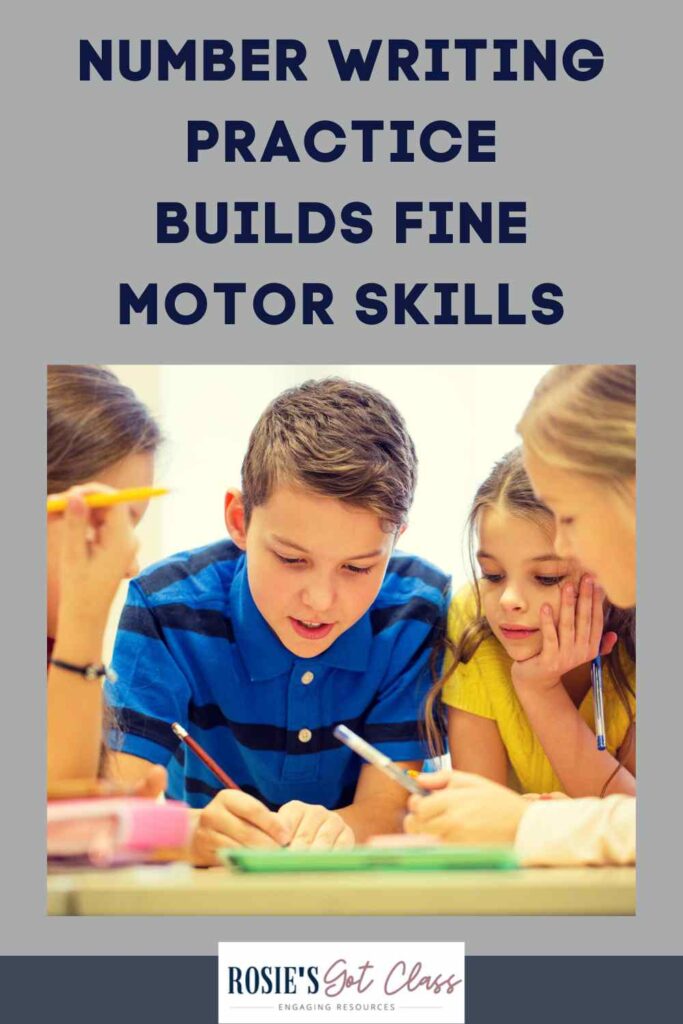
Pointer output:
x,y
193,648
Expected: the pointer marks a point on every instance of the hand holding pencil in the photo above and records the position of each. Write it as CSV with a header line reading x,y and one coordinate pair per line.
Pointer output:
x,y
92,525
232,818
96,548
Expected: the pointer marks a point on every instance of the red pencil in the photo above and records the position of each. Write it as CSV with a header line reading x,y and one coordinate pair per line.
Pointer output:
x,y
185,737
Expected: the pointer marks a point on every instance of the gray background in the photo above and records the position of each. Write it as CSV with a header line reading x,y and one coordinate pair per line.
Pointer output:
x,y
87,163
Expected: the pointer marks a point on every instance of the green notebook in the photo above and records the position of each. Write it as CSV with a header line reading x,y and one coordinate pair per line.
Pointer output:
x,y
367,858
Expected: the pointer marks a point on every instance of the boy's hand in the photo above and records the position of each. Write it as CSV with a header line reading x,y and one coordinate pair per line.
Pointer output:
x,y
235,819
465,808
576,640
314,827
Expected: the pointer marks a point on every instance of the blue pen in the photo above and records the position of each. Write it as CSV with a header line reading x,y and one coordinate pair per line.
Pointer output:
x,y
598,703
378,759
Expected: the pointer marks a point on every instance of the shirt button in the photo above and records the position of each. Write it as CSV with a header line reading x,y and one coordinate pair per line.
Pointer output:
x,y
307,678
305,735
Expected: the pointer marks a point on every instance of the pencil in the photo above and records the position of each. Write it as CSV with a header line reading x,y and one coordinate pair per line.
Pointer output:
x,y
103,499
598,702
185,737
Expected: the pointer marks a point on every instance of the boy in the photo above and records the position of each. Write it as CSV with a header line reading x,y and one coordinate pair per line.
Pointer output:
x,y
262,644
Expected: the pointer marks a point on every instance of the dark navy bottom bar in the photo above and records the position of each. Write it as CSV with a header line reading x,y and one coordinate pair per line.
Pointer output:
x,y
146,989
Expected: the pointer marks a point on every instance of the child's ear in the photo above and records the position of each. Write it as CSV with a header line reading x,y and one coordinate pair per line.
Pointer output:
x,y
399,533
235,520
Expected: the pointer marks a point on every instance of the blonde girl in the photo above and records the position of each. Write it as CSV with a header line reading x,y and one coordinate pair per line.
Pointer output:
x,y
579,441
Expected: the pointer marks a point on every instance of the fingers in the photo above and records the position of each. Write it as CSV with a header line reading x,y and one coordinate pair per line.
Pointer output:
x,y
608,643
236,819
234,831
74,529
578,636
439,826
318,828
346,839
589,618
568,614
598,620
461,789
426,807
291,814
205,842
244,820
449,777
79,491
113,526
86,531
92,487
333,833
585,613
551,646
435,780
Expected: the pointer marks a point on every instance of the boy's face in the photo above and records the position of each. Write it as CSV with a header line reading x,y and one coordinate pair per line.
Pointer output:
x,y
315,564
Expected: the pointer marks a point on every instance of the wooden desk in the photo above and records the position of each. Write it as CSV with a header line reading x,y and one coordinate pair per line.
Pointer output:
x,y
180,889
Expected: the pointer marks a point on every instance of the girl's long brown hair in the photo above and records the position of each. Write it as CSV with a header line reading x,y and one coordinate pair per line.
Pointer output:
x,y
93,421
509,486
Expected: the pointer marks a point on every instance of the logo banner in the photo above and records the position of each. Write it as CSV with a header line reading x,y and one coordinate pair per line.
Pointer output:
x,y
269,982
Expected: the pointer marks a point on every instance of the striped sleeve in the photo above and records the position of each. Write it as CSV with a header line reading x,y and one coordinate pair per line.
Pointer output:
x,y
151,691
394,723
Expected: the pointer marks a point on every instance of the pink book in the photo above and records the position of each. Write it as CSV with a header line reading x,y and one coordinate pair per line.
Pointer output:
x,y
105,831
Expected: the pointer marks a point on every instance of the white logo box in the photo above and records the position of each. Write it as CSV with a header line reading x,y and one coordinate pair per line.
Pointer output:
x,y
275,983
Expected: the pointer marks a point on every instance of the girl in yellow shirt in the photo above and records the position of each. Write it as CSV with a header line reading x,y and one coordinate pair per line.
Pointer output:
x,y
517,679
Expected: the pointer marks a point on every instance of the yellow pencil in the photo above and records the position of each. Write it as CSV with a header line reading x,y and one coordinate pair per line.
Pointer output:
x,y
103,499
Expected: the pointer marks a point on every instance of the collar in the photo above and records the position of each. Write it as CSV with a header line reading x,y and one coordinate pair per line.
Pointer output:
x,y
266,657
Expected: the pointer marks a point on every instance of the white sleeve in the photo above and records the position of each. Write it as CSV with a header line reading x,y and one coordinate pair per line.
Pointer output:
x,y
584,831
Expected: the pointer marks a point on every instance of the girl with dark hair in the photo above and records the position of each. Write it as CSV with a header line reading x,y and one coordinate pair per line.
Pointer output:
x,y
99,437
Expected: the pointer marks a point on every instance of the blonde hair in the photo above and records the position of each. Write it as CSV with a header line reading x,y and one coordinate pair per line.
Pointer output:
x,y
583,419
508,486
338,438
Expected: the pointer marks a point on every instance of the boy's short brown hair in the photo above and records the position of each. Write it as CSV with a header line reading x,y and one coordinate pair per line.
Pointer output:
x,y
338,438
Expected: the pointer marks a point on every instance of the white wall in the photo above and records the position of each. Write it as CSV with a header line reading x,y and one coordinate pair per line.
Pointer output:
x,y
462,419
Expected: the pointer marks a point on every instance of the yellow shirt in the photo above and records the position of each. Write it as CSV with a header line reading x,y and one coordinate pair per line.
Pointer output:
x,y
483,686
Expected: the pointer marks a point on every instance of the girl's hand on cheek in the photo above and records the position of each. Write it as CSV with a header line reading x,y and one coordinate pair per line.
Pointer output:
x,y
576,639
